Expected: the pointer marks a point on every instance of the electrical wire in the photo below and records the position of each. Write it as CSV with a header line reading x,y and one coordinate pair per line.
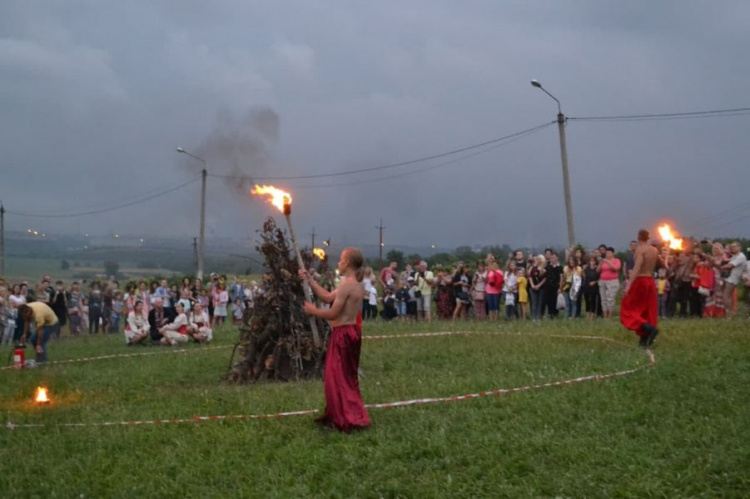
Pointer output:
x,y
428,168
105,210
391,165
716,113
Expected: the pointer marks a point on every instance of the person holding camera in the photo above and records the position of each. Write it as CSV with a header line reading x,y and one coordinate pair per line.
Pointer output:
x,y
424,280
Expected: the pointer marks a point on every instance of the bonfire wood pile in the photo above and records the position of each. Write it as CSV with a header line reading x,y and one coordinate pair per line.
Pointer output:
x,y
275,340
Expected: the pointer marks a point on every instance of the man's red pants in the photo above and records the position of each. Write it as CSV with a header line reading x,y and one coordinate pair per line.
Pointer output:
x,y
640,305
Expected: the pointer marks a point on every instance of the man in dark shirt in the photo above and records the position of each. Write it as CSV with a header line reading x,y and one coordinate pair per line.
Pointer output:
x,y
629,262
58,302
552,285
158,317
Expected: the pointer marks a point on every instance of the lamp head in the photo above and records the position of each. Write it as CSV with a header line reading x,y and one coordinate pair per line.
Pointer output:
x,y
180,149
535,83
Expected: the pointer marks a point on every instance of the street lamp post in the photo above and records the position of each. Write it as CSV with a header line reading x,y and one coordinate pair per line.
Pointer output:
x,y
564,158
202,233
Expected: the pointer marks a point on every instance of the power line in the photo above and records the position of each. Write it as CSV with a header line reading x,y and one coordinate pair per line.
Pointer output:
x,y
428,168
391,165
716,113
105,210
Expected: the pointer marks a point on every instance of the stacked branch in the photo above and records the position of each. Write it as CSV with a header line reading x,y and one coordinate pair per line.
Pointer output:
x,y
275,340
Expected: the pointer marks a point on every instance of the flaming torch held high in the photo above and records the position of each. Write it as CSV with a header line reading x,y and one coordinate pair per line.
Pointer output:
x,y
282,200
670,237
320,253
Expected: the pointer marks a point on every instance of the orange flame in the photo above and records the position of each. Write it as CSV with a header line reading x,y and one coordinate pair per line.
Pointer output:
x,y
666,234
277,197
41,396
320,253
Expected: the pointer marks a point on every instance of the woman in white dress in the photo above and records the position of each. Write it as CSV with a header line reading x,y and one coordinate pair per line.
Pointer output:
x,y
136,327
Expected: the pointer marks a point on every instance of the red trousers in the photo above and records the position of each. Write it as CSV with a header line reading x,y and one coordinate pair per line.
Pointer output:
x,y
344,407
640,305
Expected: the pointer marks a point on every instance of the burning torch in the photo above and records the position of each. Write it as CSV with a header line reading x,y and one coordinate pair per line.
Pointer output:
x,y
283,201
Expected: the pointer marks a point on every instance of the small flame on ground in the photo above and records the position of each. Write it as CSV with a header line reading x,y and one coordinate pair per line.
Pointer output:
x,y
41,396
277,197
320,253
669,237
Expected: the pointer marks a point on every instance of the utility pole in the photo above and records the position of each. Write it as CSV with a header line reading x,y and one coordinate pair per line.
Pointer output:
x,y
564,158
195,252
202,230
2,240
380,228
313,238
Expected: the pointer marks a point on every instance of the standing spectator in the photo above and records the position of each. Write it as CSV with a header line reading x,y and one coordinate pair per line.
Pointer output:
x,y
408,271
746,281
59,304
95,309
702,283
460,283
570,286
493,289
116,313
11,316
682,283
402,299
153,294
581,262
25,292
220,298
510,289
715,301
411,306
537,280
523,294
478,290
627,268
662,291
609,282
85,322
424,280
444,298
238,308
591,287
388,275
372,301
553,273
367,282
41,295
736,267
16,296
142,294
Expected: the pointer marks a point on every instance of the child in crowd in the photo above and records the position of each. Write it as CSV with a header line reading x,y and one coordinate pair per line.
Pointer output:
x,y
389,305
411,305
662,288
237,310
372,300
402,299
523,295
116,313
8,314
509,290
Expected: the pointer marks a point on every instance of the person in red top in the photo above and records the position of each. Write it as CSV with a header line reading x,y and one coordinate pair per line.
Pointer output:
x,y
388,275
345,409
639,310
493,289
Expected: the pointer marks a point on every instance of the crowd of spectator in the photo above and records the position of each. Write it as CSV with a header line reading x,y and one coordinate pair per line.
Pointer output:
x,y
700,281
154,312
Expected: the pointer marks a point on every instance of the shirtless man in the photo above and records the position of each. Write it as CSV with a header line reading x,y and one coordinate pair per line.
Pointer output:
x,y
640,310
345,409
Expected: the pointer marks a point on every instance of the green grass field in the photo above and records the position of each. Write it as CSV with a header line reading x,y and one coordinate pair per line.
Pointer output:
x,y
680,428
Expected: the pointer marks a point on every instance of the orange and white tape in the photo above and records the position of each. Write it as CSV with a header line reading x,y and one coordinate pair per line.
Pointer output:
x,y
388,405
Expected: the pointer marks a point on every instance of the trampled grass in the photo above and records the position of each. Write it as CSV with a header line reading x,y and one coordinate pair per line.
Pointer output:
x,y
677,428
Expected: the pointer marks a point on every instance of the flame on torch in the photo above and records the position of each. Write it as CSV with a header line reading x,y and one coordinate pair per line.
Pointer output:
x,y
280,199
669,237
320,253
41,396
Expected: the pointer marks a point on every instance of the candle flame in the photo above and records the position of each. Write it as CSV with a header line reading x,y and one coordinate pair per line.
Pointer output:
x,y
669,237
41,396
320,253
277,197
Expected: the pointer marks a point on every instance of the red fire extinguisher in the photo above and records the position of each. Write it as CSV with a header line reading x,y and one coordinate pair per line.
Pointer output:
x,y
19,355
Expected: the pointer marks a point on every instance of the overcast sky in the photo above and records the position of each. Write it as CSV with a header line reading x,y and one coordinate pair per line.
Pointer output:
x,y
96,95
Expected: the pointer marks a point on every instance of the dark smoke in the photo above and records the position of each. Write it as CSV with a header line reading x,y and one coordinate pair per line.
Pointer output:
x,y
240,146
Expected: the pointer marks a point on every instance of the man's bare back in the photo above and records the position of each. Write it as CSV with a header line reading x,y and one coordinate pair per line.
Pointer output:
x,y
346,300
648,257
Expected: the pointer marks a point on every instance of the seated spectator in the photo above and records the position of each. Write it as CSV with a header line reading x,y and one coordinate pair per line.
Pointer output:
x,y
136,327
199,327
176,331
158,317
